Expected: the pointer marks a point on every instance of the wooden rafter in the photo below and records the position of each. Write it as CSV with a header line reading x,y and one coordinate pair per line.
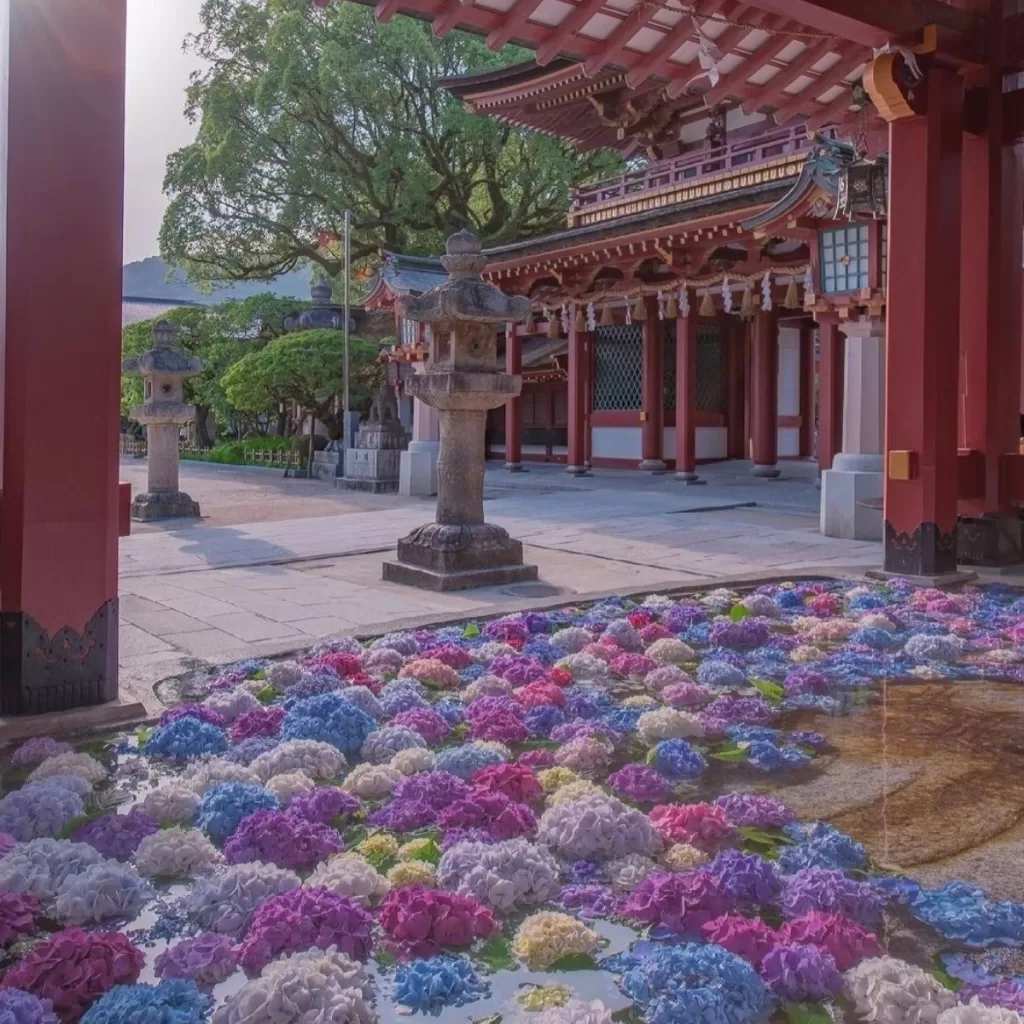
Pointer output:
x,y
730,84
830,113
515,19
575,20
616,42
804,101
448,19
776,88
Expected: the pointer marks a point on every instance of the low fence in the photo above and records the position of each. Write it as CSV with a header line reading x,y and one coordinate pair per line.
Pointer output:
x,y
286,459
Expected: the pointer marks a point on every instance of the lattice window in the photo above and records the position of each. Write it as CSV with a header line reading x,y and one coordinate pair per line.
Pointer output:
x,y
884,256
844,258
561,408
618,376
668,362
527,407
711,368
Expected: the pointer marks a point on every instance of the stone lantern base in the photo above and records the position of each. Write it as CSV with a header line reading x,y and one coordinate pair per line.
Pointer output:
x,y
441,557
164,505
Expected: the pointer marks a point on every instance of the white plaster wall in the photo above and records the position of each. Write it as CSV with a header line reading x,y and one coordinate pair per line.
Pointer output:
x,y
711,442
668,443
789,372
789,442
615,443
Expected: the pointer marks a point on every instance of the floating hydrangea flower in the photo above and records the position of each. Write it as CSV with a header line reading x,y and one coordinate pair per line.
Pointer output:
x,y
283,674
224,805
225,900
325,805
39,811
39,868
174,853
208,959
670,651
74,968
640,782
103,891
116,835
702,825
38,749
576,1011
258,722
412,760
428,986
821,846
720,674
18,913
667,723
177,1001
200,711
464,761
627,872
801,974
506,876
381,745
677,760
320,761
303,918
412,873
747,878
747,937
171,803
372,781
201,775
697,983
289,785
754,810
329,718
683,857
597,827
281,839
830,892
585,754
682,902
424,921
317,985
83,765
186,738
846,941
350,875
19,1007
545,938
887,989
932,647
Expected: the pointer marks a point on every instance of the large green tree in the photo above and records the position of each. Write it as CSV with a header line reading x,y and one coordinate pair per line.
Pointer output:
x,y
305,111
305,368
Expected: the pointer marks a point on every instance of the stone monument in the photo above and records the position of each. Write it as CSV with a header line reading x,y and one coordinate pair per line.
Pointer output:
x,y
459,550
163,370
373,465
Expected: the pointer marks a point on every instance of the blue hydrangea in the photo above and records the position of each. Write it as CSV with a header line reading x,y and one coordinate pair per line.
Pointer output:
x,y
698,633
170,1002
872,636
807,738
753,733
472,672
580,705
440,981
720,673
903,890
543,650
312,684
463,761
17,1007
248,750
329,718
249,666
676,759
623,719
965,913
401,695
866,602
186,738
543,718
696,983
790,600
770,757
819,845
452,711
224,805
39,810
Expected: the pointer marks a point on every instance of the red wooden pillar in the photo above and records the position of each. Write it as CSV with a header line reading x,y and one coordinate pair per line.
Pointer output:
x,y
686,398
806,388
830,390
589,365
652,416
514,407
64,77
734,336
765,393
575,460
923,315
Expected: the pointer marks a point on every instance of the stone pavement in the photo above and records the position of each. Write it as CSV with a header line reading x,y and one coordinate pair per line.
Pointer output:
x,y
195,596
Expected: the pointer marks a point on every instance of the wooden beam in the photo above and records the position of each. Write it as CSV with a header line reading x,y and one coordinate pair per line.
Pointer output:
x,y
735,80
803,102
731,37
613,46
576,19
873,22
449,18
515,18
766,95
829,113
386,9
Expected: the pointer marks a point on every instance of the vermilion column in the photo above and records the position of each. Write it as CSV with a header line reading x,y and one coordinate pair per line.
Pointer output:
x,y
577,395
806,389
765,393
686,398
514,407
63,150
652,418
923,314
830,391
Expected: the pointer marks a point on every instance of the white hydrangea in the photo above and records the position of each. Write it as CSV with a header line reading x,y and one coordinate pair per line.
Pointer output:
x,y
350,875
976,1012
105,890
487,686
506,876
283,674
628,872
201,775
171,803
891,991
372,781
876,620
1002,655
289,785
667,723
315,987
320,761
720,599
232,703
412,760
382,744
657,602
491,649
41,866
670,651
82,765
597,827
572,639
174,853
931,647
224,900
585,667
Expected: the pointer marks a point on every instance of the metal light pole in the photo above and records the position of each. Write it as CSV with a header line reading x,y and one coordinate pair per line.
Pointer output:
x,y
348,269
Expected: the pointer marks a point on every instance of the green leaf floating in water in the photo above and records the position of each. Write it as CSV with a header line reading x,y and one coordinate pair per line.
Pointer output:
x,y
771,692
266,694
496,955
943,977
805,1013
738,612
729,752
142,736
491,1018
627,1015
471,631
575,962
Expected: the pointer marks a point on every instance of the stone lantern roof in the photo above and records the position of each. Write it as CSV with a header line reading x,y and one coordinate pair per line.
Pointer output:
x,y
162,359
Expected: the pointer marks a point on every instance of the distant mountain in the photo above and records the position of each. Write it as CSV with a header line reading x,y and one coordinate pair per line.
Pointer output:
x,y
150,279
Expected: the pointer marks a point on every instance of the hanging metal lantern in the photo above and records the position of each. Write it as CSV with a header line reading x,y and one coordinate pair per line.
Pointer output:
x,y
862,189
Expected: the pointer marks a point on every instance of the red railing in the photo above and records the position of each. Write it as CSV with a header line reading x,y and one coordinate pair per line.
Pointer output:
x,y
691,167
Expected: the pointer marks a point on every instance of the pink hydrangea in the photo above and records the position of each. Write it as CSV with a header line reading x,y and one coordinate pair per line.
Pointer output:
x,y
748,937
684,695
538,758
432,672
258,722
702,825
423,921
654,631
492,811
342,664
18,912
303,919
633,665
606,652
825,605
432,726
503,726
845,939
452,655
74,968
515,781
540,692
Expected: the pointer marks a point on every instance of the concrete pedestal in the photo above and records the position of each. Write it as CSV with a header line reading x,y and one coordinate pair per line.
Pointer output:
x,y
769,472
417,473
851,495
163,505
328,465
374,471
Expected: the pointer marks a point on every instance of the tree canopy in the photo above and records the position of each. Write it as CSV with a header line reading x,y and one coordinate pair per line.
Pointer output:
x,y
305,111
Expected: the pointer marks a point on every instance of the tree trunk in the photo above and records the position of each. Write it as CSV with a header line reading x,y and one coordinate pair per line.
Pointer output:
x,y
202,434
282,422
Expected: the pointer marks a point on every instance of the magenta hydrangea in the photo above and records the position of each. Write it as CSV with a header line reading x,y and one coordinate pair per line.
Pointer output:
x,y
324,805
682,902
208,959
639,782
200,711
116,836
18,913
843,938
257,723
282,839
427,722
305,919
503,818
423,921
515,781
748,937
537,758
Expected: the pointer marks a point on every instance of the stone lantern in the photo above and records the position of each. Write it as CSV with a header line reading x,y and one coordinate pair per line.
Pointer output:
x,y
459,550
163,370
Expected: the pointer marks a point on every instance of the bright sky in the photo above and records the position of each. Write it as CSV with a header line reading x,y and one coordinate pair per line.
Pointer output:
x,y
158,72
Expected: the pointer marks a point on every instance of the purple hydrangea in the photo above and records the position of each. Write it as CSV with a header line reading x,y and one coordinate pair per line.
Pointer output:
x,y
255,723
746,878
324,805
754,810
200,711
640,782
116,835
37,749
589,901
801,974
426,721
282,839
831,892
207,959
682,902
